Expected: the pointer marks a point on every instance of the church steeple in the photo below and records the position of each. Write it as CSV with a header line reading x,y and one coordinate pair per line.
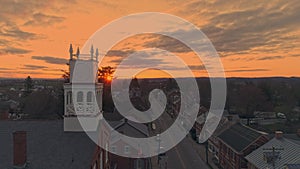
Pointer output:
x,y
92,52
71,51
97,54
77,53
82,100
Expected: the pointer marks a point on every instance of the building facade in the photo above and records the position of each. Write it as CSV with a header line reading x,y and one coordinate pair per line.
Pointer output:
x,y
236,142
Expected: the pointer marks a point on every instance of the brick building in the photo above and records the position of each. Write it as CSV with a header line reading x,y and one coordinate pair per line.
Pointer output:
x,y
236,142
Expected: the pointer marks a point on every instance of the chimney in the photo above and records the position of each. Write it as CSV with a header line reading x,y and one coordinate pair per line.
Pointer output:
x,y
298,132
19,143
278,134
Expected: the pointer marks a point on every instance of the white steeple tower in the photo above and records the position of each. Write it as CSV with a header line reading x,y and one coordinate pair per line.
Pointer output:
x,y
83,93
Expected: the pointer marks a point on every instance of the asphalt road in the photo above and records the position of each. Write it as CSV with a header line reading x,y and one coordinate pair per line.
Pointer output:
x,y
184,155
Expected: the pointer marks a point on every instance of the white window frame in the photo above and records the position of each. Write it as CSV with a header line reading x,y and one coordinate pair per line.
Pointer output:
x,y
126,149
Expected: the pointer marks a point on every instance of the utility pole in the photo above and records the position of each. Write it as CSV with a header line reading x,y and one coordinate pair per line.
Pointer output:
x,y
273,156
158,151
206,151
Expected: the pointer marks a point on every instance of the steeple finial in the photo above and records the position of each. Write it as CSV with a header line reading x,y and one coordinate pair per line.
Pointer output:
x,y
92,52
78,53
97,54
71,51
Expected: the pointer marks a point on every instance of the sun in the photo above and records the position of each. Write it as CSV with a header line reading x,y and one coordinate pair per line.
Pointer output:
x,y
108,78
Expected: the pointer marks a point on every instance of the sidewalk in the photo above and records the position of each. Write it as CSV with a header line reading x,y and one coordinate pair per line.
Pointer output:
x,y
200,149
154,163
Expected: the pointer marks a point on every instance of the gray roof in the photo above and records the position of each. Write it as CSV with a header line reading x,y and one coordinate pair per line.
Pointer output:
x,y
289,156
292,166
4,106
239,136
48,146
130,128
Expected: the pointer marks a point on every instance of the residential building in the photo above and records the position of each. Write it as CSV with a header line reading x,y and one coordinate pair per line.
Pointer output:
x,y
236,142
280,152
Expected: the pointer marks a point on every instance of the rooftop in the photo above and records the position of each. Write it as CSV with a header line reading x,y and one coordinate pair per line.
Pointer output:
x,y
288,155
48,146
239,136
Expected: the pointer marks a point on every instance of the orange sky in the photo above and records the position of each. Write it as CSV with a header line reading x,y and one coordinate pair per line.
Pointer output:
x,y
258,38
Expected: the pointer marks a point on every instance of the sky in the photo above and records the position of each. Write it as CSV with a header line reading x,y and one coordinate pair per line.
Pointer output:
x,y
257,38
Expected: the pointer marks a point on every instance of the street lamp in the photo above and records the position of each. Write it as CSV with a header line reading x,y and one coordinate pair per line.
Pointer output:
x,y
158,151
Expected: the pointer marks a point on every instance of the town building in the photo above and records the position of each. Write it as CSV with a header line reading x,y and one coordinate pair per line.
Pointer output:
x,y
32,144
280,152
121,147
236,142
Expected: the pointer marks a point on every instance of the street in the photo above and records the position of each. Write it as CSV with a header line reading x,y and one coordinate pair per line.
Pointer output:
x,y
182,156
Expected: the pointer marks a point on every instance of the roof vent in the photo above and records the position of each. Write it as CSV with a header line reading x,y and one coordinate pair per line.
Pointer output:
x,y
278,134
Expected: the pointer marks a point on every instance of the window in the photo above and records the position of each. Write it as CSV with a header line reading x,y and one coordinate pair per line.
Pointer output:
x,y
80,97
89,97
113,149
69,98
126,150
138,164
95,165
106,153
233,156
101,160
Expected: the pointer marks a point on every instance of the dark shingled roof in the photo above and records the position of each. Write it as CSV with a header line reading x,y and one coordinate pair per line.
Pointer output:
x,y
4,106
48,146
239,136
293,166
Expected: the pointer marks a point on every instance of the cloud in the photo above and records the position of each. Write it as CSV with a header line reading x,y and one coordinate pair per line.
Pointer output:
x,y
51,59
4,42
25,73
40,19
13,50
119,53
270,57
197,67
166,43
247,26
247,70
10,30
14,14
12,36
139,62
2,68
33,67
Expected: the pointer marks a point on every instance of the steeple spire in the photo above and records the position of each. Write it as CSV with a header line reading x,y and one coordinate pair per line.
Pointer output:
x,y
71,51
78,53
97,54
92,52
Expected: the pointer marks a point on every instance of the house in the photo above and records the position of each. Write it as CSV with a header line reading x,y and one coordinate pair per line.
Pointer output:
x,y
198,125
213,143
4,110
173,102
280,152
3,97
236,142
119,146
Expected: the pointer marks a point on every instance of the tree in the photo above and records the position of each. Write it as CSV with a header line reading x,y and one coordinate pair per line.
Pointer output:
x,y
66,74
105,74
28,84
250,99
